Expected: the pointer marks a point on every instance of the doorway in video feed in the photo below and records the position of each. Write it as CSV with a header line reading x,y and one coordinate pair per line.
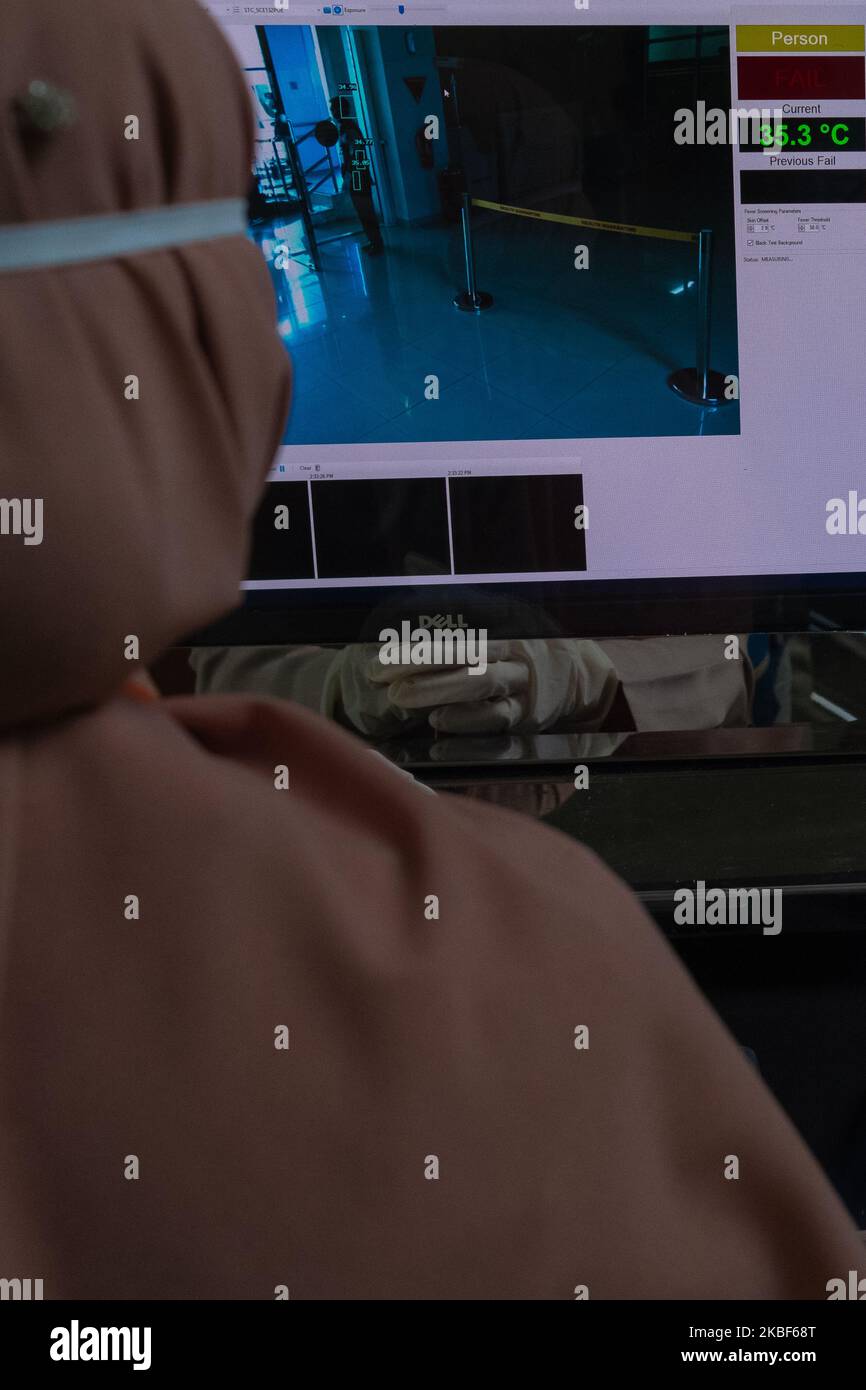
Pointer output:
x,y
498,219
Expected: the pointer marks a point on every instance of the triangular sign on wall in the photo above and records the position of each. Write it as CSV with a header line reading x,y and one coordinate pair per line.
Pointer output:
x,y
416,86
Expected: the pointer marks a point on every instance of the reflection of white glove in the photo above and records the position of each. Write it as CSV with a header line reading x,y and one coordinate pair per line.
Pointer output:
x,y
529,685
333,682
355,693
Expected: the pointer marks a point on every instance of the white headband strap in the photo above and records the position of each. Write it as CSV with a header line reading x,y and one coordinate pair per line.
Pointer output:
x,y
36,245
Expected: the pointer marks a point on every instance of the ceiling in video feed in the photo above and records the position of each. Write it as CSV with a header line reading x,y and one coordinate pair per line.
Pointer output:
x,y
424,201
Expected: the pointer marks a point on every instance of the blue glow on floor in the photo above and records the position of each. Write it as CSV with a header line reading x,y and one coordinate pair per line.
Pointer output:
x,y
562,353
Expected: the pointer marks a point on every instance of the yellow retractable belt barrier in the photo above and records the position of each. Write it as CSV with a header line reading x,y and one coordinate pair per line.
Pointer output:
x,y
699,384
625,227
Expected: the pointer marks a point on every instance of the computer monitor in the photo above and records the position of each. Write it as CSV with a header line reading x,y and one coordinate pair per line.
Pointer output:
x,y
574,305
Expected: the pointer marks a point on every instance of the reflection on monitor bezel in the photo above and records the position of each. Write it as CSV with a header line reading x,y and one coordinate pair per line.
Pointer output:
x,y
581,608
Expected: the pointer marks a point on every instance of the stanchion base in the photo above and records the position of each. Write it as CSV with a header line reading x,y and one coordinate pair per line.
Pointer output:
x,y
468,305
684,383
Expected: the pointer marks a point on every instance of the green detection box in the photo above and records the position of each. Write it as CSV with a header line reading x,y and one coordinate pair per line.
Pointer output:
x,y
812,38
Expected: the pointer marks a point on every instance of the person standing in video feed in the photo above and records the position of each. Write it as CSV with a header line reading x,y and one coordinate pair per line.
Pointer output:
x,y
357,177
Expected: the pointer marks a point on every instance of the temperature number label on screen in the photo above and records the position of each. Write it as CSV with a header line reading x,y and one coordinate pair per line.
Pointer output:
x,y
844,133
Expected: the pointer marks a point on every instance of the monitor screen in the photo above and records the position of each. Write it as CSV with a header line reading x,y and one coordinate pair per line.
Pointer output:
x,y
574,307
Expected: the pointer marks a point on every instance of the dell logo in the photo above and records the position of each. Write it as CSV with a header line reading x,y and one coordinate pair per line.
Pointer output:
x,y
441,620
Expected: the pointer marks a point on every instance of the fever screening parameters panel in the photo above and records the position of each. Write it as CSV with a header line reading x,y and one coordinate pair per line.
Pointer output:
x,y
567,294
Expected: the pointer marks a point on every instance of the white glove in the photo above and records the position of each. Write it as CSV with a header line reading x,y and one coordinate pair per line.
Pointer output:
x,y
358,691
333,682
528,685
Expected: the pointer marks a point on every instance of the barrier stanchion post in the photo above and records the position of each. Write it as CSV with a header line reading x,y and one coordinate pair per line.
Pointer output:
x,y
471,300
705,292
700,384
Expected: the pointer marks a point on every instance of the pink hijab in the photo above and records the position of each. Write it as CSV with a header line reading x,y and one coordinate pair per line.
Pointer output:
x,y
170,915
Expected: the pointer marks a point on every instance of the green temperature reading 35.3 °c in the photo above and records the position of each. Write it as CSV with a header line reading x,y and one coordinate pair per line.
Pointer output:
x,y
803,134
